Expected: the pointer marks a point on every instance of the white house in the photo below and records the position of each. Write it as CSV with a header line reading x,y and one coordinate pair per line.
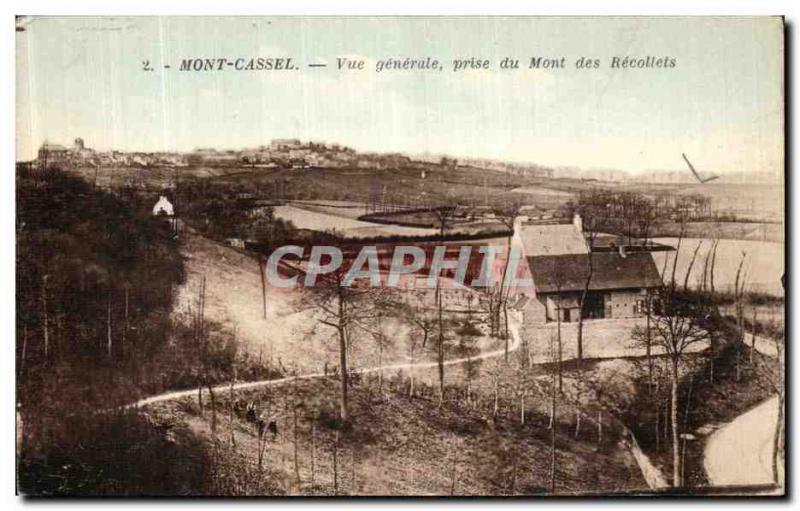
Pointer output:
x,y
163,207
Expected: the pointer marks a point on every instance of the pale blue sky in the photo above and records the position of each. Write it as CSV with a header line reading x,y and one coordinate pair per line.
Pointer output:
x,y
722,103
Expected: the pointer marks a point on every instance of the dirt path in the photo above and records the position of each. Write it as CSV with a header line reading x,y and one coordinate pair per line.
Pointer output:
x,y
170,396
741,451
764,345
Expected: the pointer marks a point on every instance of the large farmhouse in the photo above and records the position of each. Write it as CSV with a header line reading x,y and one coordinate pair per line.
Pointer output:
x,y
558,258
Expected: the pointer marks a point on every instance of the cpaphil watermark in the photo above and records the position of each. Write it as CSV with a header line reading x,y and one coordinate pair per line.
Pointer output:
x,y
392,266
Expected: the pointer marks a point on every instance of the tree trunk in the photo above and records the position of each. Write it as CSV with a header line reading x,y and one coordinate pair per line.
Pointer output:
x,y
582,304
599,427
108,328
313,450
553,437
380,369
45,317
469,370
648,341
753,336
440,351
296,461
24,350
777,441
676,468
505,318
230,413
496,397
658,416
501,302
712,345
558,329
580,335
336,465
453,473
738,365
263,270
514,475
213,400
343,373
411,379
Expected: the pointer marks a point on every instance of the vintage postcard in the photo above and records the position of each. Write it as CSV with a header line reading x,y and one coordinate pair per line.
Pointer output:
x,y
400,256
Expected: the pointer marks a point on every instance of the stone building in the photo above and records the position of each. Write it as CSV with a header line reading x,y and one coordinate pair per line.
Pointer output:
x,y
558,258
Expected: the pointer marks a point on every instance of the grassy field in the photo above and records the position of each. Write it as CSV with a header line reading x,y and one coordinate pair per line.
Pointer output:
x,y
746,231
471,185
403,186
305,218
756,201
763,264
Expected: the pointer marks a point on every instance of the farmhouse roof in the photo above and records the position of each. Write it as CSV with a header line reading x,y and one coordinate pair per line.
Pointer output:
x,y
610,270
553,239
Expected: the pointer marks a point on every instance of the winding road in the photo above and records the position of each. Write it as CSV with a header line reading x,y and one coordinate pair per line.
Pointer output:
x,y
740,453
513,327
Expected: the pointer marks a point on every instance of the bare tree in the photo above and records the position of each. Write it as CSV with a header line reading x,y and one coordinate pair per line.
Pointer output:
x,y
739,285
490,302
559,278
344,307
707,289
779,437
383,329
336,464
753,334
295,405
467,349
507,216
262,267
443,215
423,322
679,320
231,397
313,450
553,412
594,210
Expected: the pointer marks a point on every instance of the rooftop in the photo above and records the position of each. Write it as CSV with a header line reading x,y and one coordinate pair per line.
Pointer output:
x,y
553,239
610,270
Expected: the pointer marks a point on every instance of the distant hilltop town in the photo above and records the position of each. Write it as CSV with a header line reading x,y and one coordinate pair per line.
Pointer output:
x,y
292,153
288,153
284,153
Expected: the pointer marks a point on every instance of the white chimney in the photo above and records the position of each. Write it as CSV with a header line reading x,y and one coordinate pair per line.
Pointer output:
x,y
577,221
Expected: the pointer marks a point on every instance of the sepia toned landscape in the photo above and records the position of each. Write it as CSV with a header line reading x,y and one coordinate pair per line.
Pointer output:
x,y
156,356
235,386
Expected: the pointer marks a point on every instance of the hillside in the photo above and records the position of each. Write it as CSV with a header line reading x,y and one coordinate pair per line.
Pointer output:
x,y
400,446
